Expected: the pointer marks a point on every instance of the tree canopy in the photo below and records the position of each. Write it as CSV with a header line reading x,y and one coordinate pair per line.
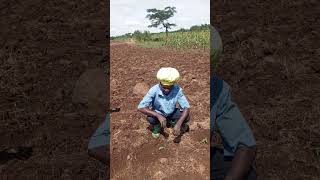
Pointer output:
x,y
160,17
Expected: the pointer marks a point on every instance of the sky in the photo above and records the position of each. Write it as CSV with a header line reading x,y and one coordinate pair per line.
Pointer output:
x,y
126,16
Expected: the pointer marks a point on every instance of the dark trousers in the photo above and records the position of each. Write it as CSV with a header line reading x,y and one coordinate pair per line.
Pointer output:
x,y
219,165
171,119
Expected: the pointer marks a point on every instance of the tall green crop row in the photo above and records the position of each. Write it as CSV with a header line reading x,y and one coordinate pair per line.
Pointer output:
x,y
189,39
197,39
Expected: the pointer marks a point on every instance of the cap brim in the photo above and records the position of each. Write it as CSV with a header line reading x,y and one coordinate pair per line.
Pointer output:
x,y
166,83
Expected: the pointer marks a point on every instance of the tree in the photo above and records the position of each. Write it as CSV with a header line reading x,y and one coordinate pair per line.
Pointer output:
x,y
129,35
142,36
160,17
200,28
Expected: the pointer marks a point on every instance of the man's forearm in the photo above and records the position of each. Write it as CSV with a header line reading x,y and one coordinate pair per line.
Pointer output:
x,y
148,112
183,117
241,163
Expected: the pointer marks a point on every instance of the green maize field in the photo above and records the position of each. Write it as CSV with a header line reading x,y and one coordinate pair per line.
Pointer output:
x,y
199,39
184,40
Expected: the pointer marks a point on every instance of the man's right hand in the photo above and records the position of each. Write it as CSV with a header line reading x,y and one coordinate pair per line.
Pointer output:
x,y
163,121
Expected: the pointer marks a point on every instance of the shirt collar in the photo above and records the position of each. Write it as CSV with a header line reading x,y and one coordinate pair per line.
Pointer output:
x,y
161,93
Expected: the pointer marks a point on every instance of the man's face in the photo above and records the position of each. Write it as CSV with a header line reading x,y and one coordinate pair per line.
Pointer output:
x,y
166,88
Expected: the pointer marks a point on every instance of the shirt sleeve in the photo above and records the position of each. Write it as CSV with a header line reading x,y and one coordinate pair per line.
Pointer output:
x,y
232,126
182,100
147,99
101,137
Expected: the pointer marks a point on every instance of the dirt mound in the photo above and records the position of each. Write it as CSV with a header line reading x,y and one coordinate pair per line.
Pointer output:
x,y
91,90
141,89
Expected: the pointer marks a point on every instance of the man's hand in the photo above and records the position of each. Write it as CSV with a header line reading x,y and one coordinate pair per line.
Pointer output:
x,y
176,130
163,121
148,112
183,117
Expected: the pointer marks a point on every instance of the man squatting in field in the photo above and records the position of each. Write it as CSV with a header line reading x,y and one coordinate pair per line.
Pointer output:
x,y
166,106
233,158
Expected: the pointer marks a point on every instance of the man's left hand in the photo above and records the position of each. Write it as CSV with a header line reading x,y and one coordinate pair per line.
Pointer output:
x,y
176,130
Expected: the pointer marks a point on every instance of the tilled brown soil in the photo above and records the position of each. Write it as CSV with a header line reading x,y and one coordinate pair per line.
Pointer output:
x,y
45,46
271,60
134,153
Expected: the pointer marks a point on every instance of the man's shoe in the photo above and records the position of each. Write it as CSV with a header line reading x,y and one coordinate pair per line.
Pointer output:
x,y
155,135
156,131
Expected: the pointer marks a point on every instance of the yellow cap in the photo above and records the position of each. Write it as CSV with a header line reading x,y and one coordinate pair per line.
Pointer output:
x,y
168,76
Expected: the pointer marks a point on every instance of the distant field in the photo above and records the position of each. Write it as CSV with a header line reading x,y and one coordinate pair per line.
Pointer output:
x,y
179,40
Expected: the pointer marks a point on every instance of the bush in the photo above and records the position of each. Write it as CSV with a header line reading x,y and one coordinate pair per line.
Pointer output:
x,y
139,36
200,28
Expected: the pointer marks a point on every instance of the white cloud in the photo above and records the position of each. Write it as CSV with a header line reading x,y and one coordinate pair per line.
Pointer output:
x,y
132,22
130,15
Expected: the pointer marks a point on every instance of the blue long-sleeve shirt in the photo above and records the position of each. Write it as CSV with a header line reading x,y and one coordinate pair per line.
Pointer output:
x,y
164,104
232,126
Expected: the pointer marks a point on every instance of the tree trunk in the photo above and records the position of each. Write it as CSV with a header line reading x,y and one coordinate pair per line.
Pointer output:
x,y
166,31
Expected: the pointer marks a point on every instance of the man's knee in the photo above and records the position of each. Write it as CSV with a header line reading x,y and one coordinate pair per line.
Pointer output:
x,y
188,119
153,120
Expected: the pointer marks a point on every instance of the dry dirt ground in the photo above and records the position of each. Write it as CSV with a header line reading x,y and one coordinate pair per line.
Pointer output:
x,y
45,46
271,60
134,153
